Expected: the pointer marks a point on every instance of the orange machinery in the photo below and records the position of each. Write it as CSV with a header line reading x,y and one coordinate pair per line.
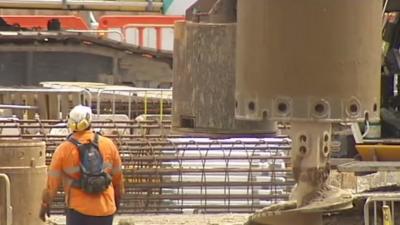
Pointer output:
x,y
39,22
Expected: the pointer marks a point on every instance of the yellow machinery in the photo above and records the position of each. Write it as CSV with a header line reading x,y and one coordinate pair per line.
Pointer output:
x,y
379,152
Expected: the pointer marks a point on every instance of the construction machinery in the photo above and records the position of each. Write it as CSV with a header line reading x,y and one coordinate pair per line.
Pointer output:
x,y
247,74
31,53
309,64
137,5
165,172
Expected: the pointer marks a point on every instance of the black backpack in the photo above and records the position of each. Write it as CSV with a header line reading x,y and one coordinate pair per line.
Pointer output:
x,y
93,179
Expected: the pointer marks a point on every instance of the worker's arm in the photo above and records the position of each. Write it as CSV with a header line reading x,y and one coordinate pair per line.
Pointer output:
x,y
54,180
117,178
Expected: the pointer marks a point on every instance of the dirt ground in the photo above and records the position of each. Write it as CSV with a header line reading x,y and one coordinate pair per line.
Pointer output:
x,y
186,219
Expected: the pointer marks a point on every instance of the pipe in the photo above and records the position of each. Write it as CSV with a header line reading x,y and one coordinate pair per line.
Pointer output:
x,y
93,5
40,90
119,33
373,198
24,107
8,198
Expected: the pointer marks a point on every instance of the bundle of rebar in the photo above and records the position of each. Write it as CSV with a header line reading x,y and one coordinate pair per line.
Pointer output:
x,y
166,173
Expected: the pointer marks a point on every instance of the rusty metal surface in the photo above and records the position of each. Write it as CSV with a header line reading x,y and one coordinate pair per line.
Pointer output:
x,y
24,163
319,60
309,157
173,173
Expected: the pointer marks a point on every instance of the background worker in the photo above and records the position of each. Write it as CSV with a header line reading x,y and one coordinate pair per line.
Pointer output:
x,y
90,200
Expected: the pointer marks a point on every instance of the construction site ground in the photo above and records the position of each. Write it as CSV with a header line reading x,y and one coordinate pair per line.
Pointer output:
x,y
170,219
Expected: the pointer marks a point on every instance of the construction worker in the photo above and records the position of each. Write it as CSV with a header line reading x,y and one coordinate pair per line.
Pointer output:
x,y
89,166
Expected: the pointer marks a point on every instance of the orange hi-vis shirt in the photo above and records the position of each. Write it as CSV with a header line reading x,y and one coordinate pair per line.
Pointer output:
x,y
64,168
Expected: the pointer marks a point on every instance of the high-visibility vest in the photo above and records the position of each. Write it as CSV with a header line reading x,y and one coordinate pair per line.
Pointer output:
x,y
64,168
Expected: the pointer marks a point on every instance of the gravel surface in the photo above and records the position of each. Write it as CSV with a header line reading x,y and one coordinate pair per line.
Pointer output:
x,y
186,219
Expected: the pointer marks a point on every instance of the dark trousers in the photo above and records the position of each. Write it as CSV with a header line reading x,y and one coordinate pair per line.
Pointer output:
x,y
76,218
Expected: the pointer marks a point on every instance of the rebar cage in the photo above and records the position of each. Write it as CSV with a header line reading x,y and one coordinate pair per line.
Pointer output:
x,y
170,173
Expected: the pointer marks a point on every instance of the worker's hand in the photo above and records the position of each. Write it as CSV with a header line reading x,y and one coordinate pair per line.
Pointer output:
x,y
44,210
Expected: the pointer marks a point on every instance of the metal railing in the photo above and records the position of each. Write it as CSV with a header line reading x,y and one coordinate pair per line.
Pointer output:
x,y
132,102
7,194
161,97
160,41
385,202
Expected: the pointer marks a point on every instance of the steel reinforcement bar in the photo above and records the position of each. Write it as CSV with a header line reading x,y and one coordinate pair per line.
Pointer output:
x,y
167,173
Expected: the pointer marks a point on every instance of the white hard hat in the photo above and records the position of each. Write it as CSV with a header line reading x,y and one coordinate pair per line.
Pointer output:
x,y
79,118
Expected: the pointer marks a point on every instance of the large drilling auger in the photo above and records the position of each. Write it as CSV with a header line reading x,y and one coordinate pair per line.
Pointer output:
x,y
311,63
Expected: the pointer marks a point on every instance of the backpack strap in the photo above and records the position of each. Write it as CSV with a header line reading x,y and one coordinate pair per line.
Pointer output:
x,y
96,140
76,143
76,183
